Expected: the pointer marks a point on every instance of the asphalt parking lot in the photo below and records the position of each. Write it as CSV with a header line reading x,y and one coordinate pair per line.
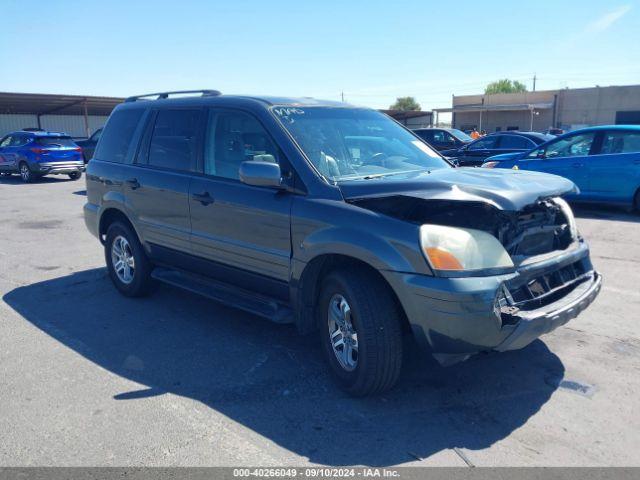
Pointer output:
x,y
88,377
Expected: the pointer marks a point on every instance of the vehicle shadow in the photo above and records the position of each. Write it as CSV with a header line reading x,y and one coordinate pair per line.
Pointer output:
x,y
274,382
16,180
604,212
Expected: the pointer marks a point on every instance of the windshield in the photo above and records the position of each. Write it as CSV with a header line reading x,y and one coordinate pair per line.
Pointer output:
x,y
354,143
460,135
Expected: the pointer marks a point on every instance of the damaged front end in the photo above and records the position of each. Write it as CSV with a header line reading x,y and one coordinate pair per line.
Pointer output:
x,y
504,277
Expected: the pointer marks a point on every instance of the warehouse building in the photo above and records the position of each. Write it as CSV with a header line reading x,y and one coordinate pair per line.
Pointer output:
x,y
567,109
78,116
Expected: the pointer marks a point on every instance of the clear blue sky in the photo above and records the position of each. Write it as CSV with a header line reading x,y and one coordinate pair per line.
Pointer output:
x,y
372,50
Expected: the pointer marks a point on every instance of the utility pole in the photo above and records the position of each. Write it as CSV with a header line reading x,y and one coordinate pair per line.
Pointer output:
x,y
342,95
534,82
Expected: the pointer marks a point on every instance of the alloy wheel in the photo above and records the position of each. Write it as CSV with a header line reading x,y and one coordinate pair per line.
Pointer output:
x,y
122,259
342,334
25,173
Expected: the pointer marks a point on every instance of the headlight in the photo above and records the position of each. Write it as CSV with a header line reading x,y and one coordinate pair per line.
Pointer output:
x,y
490,164
452,248
568,213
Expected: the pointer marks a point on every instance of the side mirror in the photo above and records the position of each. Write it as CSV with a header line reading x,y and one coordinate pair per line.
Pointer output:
x,y
541,154
261,174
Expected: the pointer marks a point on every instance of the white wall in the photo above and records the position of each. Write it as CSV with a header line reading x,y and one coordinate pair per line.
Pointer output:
x,y
70,124
10,123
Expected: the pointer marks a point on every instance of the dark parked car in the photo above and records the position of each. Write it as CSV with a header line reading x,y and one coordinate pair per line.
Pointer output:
x,y
89,145
35,153
475,153
603,161
338,220
443,138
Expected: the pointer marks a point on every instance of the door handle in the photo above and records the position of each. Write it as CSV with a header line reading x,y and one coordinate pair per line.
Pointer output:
x,y
133,183
204,198
578,165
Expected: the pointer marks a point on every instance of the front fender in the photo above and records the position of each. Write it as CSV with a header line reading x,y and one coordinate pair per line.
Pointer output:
x,y
380,253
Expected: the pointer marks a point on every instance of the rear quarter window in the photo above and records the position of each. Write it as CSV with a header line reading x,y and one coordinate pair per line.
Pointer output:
x,y
513,141
117,135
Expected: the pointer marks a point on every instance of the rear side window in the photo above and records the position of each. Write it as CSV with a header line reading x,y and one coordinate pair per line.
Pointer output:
x,y
173,141
426,135
55,142
116,138
513,141
19,140
439,137
620,142
484,144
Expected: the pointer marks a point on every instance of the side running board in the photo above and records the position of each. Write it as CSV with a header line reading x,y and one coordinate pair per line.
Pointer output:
x,y
226,294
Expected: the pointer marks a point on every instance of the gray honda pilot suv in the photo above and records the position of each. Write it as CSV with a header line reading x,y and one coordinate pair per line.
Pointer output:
x,y
336,219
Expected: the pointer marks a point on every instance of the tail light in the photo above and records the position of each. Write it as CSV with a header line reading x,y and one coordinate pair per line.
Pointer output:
x,y
39,150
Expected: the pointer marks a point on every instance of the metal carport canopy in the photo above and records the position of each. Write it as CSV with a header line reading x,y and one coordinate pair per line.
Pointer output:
x,y
45,104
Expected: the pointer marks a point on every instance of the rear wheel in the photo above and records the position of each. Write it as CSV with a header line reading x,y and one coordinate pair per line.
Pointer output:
x,y
360,331
26,174
636,201
75,175
127,263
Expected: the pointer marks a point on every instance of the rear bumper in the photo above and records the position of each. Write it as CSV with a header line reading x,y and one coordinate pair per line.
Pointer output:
x,y
91,219
46,168
458,317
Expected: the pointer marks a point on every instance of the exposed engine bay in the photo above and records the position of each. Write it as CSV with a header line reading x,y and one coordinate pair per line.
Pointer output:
x,y
537,229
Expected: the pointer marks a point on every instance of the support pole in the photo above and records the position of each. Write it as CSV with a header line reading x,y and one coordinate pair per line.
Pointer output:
x,y
531,127
86,118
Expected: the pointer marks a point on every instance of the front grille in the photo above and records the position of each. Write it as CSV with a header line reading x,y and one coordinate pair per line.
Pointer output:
x,y
549,287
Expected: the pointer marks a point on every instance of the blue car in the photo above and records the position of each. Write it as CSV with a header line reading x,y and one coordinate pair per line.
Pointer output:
x,y
604,162
33,154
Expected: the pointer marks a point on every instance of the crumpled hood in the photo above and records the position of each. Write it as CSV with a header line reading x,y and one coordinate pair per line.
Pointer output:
x,y
509,190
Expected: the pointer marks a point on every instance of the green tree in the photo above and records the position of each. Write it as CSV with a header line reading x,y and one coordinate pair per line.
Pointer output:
x,y
505,86
405,104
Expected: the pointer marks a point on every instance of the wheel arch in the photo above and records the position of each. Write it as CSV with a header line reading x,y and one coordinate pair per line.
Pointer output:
x,y
308,287
111,215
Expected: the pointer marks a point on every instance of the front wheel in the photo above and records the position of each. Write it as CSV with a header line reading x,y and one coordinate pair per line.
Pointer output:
x,y
360,331
75,175
127,263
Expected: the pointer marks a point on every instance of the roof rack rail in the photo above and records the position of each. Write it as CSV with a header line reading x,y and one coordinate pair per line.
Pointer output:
x,y
162,95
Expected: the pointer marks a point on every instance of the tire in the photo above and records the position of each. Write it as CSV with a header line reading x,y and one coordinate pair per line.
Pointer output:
x,y
636,201
376,319
139,283
75,175
26,174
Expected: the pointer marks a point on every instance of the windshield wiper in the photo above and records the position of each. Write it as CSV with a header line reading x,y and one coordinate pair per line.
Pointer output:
x,y
379,175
